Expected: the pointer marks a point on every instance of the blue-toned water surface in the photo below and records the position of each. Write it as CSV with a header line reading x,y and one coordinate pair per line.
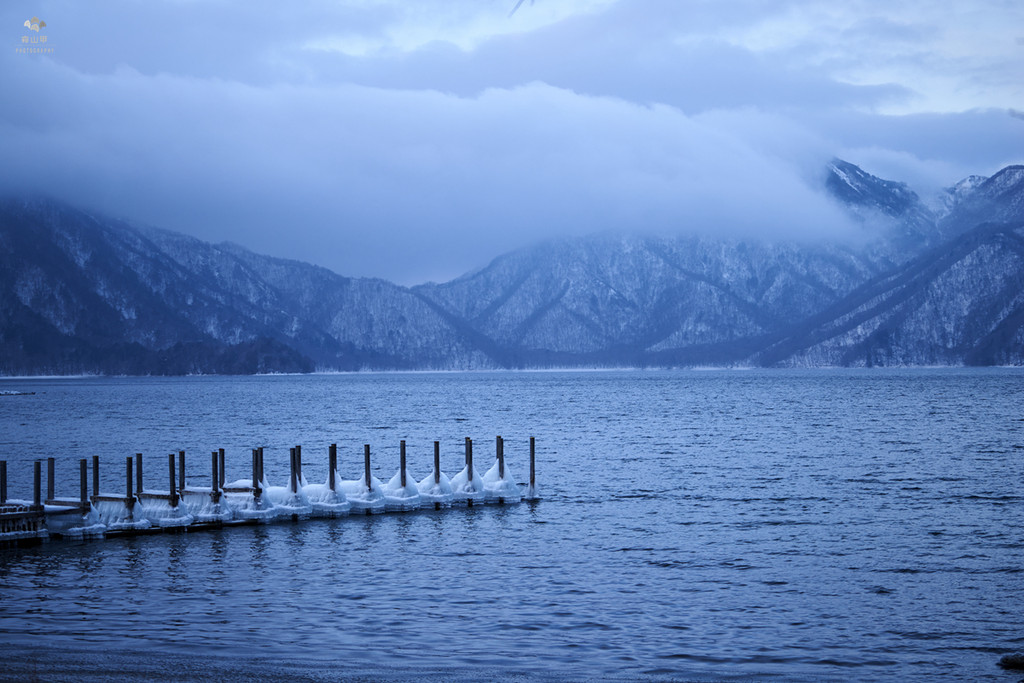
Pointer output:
x,y
820,524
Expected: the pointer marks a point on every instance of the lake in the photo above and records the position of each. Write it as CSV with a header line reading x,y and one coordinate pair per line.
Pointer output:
x,y
707,525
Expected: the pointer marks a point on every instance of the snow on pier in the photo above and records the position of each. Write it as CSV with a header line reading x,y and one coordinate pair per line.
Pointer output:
x,y
253,500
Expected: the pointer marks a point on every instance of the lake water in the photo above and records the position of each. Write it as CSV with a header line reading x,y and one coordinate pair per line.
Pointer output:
x,y
797,525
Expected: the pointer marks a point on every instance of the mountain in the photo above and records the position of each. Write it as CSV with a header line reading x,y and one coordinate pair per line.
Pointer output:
x,y
962,302
959,298
934,283
87,294
976,200
910,222
613,300
610,300
338,322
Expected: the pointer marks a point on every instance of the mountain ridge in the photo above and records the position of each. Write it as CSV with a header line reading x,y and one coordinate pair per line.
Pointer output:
x,y
83,293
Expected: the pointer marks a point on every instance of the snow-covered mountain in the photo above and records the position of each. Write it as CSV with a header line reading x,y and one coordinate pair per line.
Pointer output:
x,y
999,199
929,284
950,198
899,222
960,303
638,301
863,191
84,294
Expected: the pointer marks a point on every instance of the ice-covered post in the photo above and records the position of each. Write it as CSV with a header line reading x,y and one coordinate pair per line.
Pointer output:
x,y
298,463
181,471
172,489
37,485
366,466
533,469
500,445
220,472
437,462
95,475
138,472
83,477
3,482
402,461
291,464
128,479
469,457
332,464
260,449
49,479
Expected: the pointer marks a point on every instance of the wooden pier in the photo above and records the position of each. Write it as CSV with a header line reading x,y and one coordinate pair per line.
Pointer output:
x,y
252,500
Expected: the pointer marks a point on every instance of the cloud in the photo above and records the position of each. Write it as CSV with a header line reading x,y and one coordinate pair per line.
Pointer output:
x,y
406,184
418,142
953,58
647,52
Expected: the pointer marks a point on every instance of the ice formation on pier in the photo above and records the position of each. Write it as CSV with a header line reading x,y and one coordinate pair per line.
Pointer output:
x,y
363,499
198,502
73,522
288,502
327,502
117,516
467,489
160,512
436,494
498,488
241,498
401,498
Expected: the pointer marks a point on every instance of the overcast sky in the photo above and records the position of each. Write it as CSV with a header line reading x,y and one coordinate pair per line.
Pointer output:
x,y
417,140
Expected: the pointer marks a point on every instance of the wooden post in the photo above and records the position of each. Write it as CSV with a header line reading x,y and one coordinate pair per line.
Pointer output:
x,y
181,472
401,462
216,476
95,475
260,449
83,472
3,482
37,485
366,466
49,479
332,464
533,469
256,492
469,466
172,488
298,464
291,459
128,479
138,472
221,471
500,445
437,462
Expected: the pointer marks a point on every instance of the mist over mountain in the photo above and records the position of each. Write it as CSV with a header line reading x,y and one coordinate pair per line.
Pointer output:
x,y
936,282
